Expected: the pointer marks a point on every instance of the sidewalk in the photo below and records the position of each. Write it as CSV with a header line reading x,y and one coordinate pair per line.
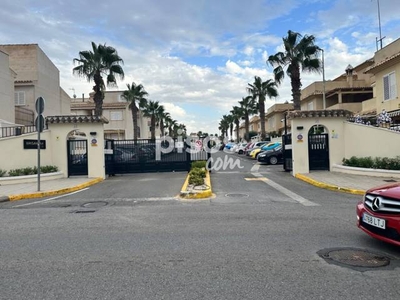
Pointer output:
x,y
20,191
349,183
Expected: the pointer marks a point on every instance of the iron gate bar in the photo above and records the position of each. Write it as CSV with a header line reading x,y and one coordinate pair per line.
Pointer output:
x,y
318,151
77,157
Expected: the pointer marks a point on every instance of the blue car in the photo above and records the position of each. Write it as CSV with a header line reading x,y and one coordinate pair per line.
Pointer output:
x,y
229,145
270,146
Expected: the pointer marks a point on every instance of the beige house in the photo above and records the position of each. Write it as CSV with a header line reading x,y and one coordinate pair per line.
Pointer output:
x,y
34,75
347,91
386,85
7,112
116,111
274,116
255,124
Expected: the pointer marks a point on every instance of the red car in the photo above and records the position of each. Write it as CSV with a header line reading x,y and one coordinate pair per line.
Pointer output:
x,y
378,214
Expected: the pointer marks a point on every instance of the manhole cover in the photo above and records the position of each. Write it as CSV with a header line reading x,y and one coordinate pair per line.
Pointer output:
x,y
236,195
94,204
83,211
356,258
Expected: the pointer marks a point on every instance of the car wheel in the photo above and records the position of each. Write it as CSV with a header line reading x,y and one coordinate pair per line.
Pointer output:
x,y
273,160
240,151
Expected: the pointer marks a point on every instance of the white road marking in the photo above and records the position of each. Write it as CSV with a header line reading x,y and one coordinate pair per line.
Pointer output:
x,y
53,198
255,168
287,192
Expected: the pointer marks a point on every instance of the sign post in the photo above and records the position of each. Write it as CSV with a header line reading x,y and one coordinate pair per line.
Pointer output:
x,y
39,122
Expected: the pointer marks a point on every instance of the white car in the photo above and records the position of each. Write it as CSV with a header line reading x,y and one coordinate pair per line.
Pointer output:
x,y
240,148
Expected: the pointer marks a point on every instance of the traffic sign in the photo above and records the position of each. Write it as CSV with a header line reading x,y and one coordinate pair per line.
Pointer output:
x,y
39,123
39,105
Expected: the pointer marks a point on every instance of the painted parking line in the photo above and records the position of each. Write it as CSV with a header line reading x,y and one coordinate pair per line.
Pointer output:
x,y
285,191
50,199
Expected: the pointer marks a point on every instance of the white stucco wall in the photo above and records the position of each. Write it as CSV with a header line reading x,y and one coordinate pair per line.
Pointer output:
x,y
335,128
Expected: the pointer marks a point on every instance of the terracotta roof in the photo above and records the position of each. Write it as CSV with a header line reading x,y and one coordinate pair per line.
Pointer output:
x,y
334,113
76,119
375,66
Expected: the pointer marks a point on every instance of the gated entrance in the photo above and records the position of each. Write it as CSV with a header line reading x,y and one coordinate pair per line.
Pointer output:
x,y
318,151
77,157
129,156
287,152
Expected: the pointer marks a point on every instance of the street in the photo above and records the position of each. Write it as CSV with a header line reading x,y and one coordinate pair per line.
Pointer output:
x,y
130,237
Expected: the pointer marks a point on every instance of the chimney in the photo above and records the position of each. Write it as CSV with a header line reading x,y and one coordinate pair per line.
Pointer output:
x,y
349,74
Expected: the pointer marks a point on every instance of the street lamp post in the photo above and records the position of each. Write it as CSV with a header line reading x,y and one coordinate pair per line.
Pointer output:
x,y
323,81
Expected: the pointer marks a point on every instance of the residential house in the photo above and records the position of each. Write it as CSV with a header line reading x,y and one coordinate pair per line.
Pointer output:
x,y
7,111
34,76
386,85
275,115
116,110
347,91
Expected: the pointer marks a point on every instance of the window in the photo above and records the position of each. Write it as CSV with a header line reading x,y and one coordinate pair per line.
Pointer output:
x,y
121,99
19,98
116,116
310,106
389,87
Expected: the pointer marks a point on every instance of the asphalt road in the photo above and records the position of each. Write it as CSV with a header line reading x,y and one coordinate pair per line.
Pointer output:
x,y
130,238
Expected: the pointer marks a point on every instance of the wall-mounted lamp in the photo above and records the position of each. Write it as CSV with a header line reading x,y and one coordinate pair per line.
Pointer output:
x,y
300,127
93,133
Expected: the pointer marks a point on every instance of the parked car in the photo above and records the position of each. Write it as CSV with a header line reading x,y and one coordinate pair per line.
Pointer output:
x,y
272,157
378,214
269,146
240,148
255,145
229,145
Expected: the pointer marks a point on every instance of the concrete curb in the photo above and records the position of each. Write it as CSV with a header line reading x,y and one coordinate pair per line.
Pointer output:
x,y
78,187
4,199
200,195
329,186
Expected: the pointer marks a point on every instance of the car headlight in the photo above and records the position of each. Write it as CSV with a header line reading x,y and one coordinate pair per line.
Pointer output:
x,y
262,155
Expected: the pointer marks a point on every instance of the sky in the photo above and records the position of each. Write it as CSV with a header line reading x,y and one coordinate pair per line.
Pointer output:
x,y
196,57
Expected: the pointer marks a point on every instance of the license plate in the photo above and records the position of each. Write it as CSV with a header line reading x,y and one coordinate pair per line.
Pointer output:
x,y
377,222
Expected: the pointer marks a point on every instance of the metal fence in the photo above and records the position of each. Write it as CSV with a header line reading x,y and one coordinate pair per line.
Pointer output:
x,y
381,121
17,130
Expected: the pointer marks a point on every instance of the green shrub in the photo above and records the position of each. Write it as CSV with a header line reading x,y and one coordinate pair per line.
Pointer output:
x,y
199,164
198,172
384,163
196,180
2,172
32,171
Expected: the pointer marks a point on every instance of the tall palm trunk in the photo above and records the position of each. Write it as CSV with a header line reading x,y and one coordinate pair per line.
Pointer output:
x,y
246,126
261,106
98,95
162,127
296,86
231,130
153,127
135,121
237,130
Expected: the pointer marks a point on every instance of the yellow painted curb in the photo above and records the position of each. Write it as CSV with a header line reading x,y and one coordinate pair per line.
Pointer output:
x,y
206,194
55,192
329,186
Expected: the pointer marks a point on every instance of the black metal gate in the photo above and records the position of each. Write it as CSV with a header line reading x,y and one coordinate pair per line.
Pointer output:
x,y
318,151
287,152
77,157
141,156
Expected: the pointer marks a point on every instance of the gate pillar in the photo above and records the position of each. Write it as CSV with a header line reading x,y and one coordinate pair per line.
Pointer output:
x,y
93,128
302,121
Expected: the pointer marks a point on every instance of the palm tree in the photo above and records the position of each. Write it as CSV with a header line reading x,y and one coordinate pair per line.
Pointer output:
x,y
261,90
160,119
223,127
229,120
135,96
249,107
237,114
101,61
301,54
151,110
167,123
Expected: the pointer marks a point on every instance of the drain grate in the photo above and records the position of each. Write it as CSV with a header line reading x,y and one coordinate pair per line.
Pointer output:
x,y
236,195
355,258
83,211
389,180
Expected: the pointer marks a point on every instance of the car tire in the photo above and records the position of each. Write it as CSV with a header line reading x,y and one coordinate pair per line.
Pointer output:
x,y
273,160
240,151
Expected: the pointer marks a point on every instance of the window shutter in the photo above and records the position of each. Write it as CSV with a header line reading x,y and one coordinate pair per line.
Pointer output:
x,y
386,92
392,86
